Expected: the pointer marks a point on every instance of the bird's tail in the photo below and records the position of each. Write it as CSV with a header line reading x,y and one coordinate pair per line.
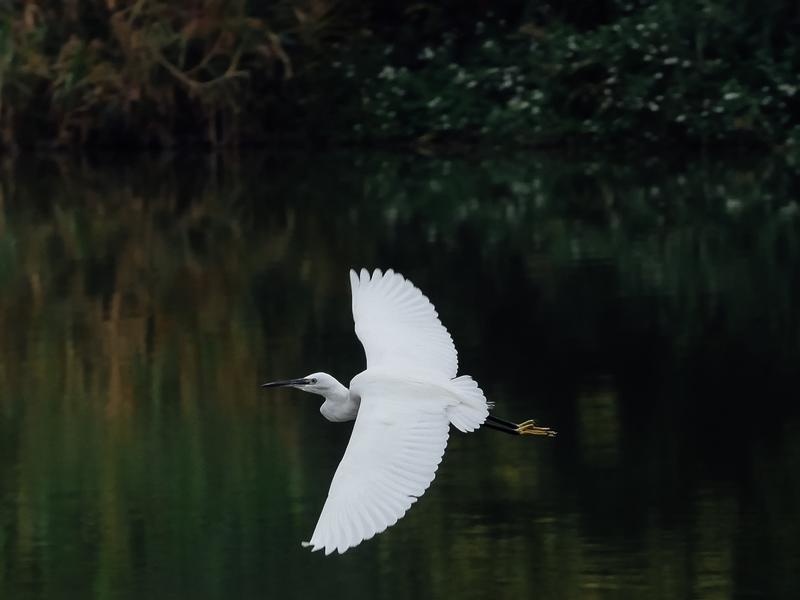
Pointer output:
x,y
471,412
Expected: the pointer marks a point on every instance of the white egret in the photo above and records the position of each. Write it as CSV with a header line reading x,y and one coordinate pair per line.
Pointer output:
x,y
403,405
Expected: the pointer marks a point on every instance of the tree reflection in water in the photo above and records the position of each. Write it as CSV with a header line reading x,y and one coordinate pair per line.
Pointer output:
x,y
654,306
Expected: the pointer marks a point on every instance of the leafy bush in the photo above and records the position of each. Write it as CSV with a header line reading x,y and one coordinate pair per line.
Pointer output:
x,y
663,71
611,71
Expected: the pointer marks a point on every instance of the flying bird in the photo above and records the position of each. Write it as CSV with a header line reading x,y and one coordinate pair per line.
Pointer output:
x,y
403,405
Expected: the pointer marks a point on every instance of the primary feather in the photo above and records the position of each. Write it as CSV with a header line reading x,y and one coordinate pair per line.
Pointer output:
x,y
397,443
399,327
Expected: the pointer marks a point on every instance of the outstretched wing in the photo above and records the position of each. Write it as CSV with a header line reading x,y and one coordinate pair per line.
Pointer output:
x,y
398,326
395,448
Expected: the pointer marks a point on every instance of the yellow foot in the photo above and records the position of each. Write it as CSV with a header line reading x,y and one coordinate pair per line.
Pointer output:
x,y
529,427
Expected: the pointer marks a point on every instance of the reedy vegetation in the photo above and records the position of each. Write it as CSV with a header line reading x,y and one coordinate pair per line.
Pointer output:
x,y
145,71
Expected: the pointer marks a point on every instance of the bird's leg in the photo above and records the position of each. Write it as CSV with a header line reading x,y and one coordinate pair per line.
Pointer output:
x,y
503,428
528,427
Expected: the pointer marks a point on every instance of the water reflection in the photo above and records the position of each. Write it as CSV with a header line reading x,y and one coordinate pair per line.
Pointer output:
x,y
647,312
599,427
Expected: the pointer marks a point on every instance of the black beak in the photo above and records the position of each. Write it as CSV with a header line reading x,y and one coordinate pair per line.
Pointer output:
x,y
286,383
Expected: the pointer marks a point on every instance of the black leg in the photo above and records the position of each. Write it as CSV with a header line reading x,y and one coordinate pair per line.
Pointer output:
x,y
505,429
524,428
500,421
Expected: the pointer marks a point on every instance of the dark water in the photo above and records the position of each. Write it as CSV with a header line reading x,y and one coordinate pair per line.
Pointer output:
x,y
650,312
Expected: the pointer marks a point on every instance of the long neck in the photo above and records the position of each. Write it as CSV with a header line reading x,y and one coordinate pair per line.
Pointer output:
x,y
337,393
338,405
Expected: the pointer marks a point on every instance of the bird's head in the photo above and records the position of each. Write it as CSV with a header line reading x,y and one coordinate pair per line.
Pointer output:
x,y
316,383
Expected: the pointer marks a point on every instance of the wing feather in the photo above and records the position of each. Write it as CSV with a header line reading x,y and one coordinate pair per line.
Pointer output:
x,y
398,326
396,446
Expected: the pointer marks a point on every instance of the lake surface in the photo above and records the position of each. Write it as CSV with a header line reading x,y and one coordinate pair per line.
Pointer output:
x,y
649,310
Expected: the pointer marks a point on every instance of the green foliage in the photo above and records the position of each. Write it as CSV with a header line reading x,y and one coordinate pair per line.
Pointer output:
x,y
158,72
697,71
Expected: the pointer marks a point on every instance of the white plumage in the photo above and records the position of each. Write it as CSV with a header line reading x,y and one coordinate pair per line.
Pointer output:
x,y
397,443
402,335
403,405
407,400
398,326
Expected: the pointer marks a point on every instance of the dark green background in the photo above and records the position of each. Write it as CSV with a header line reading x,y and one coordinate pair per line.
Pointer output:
x,y
646,309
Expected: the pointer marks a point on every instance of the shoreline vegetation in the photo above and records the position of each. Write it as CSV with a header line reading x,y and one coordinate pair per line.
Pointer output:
x,y
613,73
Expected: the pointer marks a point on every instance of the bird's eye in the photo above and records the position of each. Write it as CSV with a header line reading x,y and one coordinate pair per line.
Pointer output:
x,y
313,380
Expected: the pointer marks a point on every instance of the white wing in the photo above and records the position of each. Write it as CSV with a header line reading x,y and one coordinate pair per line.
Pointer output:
x,y
398,326
397,443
